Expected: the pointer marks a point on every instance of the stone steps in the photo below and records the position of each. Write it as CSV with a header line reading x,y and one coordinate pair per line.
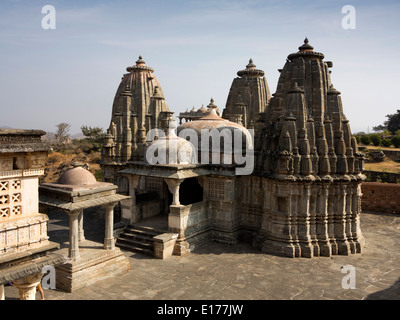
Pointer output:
x,y
137,238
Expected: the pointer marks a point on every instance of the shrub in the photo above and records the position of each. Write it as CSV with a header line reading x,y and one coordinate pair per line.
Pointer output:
x,y
386,142
98,174
396,141
375,139
365,140
358,139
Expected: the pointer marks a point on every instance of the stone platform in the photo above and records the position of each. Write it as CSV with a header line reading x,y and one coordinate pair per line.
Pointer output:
x,y
222,272
95,264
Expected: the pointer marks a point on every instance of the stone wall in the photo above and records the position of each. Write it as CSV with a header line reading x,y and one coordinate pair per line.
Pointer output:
x,y
389,177
381,197
191,222
392,154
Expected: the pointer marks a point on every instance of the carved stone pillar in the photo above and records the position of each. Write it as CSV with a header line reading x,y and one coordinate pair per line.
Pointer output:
x,y
27,286
322,222
81,232
2,292
109,243
314,191
356,233
128,207
73,252
340,221
303,221
349,218
173,186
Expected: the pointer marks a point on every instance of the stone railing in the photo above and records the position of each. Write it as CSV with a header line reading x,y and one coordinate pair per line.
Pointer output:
x,y
19,173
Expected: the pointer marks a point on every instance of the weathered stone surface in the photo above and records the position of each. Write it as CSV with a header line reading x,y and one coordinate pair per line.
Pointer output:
x,y
24,244
311,162
219,272
303,198
248,96
93,266
139,105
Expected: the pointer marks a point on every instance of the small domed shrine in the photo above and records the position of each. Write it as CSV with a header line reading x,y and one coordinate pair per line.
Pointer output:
x,y
87,261
77,176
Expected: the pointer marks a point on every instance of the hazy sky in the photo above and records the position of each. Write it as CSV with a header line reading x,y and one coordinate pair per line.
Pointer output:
x,y
71,73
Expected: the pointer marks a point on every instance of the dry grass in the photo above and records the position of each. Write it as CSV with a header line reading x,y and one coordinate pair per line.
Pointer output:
x,y
387,165
380,148
57,163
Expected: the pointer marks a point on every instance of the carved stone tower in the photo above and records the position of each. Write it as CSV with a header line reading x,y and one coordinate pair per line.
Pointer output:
x,y
311,164
248,96
139,106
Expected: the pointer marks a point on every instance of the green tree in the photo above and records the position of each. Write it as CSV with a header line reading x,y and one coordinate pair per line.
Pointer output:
x,y
392,123
386,142
379,128
365,140
375,139
93,135
396,141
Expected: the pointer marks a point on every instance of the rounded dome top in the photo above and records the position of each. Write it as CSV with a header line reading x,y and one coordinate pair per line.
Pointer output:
x,y
202,110
77,176
210,121
193,111
171,149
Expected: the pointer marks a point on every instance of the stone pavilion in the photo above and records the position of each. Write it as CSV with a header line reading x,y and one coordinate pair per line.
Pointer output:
x,y
87,262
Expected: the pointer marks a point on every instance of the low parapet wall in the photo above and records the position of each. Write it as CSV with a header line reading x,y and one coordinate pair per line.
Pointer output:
x,y
381,176
381,197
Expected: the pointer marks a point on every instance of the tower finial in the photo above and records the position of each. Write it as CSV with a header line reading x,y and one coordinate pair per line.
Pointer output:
x,y
212,105
251,65
306,46
140,60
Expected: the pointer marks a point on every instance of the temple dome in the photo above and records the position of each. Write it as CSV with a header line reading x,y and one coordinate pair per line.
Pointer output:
x,y
77,176
171,149
210,121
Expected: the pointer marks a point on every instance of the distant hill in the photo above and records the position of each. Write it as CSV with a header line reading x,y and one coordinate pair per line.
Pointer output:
x,y
5,127
77,136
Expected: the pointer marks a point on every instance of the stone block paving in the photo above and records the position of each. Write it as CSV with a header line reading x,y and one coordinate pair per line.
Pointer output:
x,y
220,272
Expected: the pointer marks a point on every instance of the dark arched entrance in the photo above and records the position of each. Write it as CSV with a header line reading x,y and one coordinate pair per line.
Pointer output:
x,y
190,191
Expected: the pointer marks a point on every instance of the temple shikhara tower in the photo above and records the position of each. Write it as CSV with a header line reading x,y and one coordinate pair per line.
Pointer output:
x,y
248,96
310,164
139,105
303,196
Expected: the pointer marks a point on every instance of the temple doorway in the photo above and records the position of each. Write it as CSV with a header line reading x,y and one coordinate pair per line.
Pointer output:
x,y
190,191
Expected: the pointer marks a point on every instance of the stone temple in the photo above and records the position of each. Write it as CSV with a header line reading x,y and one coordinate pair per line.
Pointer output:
x,y
139,106
301,197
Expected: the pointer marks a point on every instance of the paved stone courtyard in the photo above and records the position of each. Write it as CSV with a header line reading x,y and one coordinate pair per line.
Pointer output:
x,y
220,272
